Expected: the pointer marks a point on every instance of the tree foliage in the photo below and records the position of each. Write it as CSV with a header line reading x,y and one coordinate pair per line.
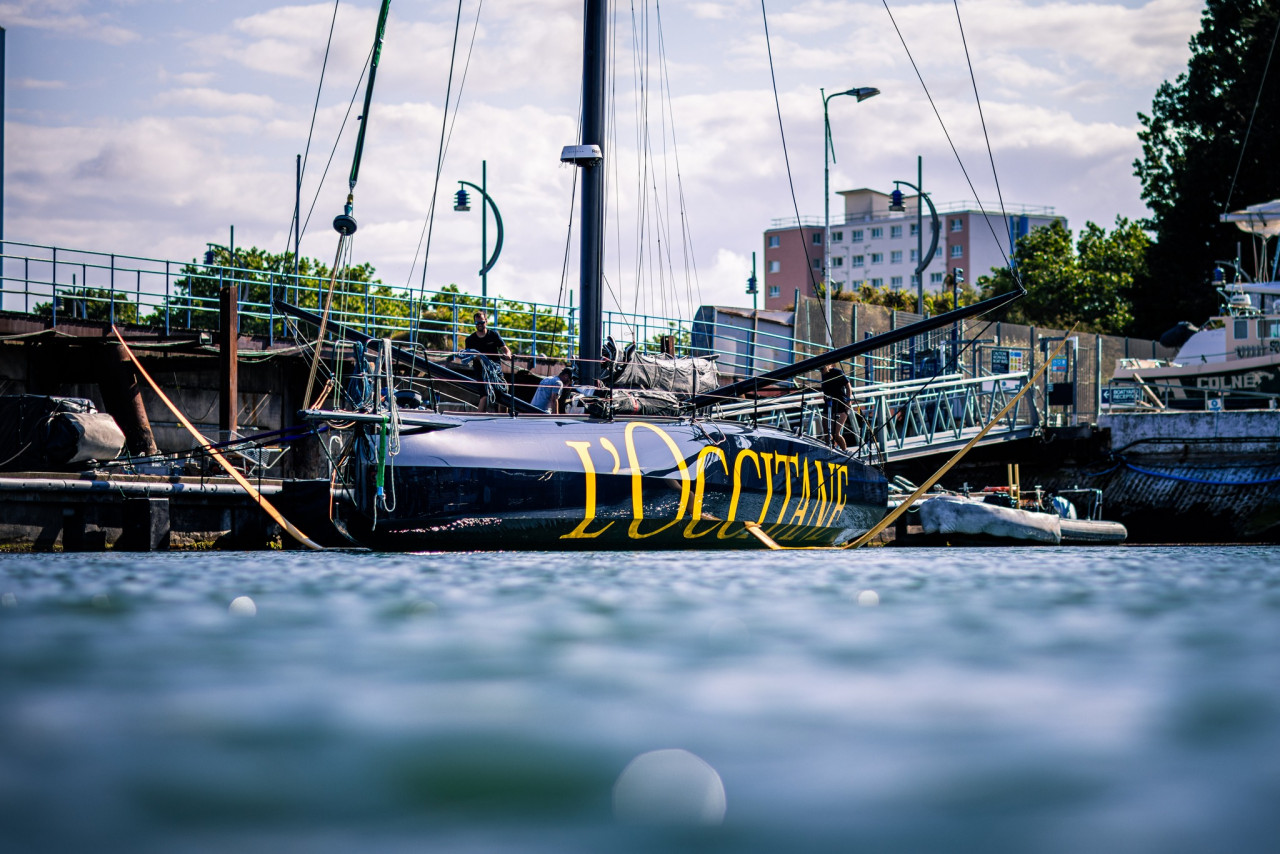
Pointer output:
x,y
438,320
1088,281
100,304
1193,141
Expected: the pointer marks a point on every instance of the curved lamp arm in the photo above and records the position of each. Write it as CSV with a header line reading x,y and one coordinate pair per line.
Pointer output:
x,y
497,246
933,216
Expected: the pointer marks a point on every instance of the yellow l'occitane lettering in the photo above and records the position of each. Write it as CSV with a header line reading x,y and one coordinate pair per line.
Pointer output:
x,y
690,531
589,507
744,454
637,493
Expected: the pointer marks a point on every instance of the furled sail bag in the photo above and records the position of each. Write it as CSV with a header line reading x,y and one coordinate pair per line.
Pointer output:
x,y
675,374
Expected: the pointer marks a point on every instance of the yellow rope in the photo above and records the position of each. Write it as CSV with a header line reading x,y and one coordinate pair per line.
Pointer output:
x,y
324,318
208,446
928,484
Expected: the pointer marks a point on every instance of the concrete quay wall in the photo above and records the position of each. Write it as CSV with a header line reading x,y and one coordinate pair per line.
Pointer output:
x,y
1194,433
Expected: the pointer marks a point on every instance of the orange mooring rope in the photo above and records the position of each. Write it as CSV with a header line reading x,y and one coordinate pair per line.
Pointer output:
x,y
208,446
934,478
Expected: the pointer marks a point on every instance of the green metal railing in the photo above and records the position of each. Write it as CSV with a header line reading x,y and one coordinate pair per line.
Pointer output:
x,y
67,285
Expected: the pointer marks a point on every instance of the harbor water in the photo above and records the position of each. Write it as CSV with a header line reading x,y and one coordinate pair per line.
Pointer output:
x,y
913,700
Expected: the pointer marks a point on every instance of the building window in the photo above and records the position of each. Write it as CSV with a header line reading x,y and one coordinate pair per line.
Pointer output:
x,y
895,257
915,256
774,241
935,278
775,266
856,235
877,233
877,283
957,251
915,280
817,263
913,229
896,281
895,231
817,238
957,225
858,260
837,236
838,261
877,257
775,291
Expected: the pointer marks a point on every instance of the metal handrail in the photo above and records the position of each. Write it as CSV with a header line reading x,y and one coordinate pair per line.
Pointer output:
x,y
67,284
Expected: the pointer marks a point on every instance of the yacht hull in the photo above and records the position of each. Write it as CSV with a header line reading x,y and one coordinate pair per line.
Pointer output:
x,y
495,482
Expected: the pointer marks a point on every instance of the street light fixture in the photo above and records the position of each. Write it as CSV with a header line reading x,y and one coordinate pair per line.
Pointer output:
x,y
862,93
463,204
922,259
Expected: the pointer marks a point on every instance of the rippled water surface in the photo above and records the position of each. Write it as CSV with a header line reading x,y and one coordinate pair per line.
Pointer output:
x,y
1047,700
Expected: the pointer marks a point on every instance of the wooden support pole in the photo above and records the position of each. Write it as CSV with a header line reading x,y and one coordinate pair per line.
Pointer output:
x,y
228,360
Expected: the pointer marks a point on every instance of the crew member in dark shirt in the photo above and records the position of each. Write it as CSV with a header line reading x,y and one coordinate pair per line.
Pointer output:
x,y
837,394
487,341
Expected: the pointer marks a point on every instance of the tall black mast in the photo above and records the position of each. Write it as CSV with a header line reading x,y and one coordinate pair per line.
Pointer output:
x,y
591,269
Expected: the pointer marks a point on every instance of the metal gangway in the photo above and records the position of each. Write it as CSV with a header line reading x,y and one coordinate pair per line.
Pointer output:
x,y
903,420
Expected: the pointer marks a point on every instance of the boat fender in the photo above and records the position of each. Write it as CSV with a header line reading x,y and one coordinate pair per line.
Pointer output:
x,y
81,437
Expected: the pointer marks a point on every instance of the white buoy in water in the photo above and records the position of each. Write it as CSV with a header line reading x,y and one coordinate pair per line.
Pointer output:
x,y
868,598
242,606
669,787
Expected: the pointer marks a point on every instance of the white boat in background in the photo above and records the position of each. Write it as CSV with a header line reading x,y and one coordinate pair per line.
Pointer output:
x,y
1233,360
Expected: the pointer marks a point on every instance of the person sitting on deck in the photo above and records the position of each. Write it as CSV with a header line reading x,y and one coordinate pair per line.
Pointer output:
x,y
489,343
547,397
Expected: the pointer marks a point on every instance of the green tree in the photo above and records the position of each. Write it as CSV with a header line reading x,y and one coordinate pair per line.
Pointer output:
x,y
1088,282
1192,143
98,304
262,276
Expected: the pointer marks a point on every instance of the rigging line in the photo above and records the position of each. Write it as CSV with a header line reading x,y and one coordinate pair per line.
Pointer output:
x,y
446,134
690,263
638,53
1016,278
790,180
448,139
981,116
686,235
1226,205
429,225
315,108
320,186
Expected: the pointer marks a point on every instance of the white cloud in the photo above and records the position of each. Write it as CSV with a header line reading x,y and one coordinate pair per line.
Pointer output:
x,y
213,100
63,17
28,83
210,139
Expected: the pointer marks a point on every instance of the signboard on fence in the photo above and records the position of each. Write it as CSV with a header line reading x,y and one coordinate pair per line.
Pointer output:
x,y
1121,395
1059,364
1005,360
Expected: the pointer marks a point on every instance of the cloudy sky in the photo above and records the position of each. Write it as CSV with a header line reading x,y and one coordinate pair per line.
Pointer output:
x,y
147,127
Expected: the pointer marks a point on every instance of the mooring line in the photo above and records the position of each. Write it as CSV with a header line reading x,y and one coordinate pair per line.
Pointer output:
x,y
893,515
208,446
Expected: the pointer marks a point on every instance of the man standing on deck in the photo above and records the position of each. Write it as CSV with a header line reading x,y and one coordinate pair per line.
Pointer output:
x,y
836,393
489,343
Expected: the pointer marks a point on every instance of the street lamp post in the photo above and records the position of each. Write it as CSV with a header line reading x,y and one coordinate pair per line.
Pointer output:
x,y
922,258
462,203
862,93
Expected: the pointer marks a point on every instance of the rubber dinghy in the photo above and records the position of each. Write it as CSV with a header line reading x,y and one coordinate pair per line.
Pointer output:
x,y
952,516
